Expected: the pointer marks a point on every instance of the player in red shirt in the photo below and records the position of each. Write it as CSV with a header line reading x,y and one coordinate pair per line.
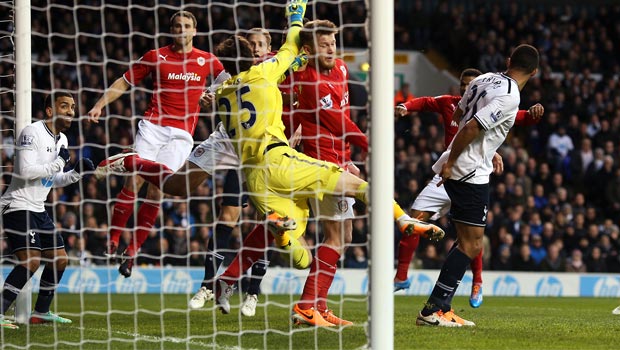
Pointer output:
x,y
180,73
433,202
327,129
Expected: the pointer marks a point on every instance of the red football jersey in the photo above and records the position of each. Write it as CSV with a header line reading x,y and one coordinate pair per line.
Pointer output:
x,y
445,105
324,112
178,81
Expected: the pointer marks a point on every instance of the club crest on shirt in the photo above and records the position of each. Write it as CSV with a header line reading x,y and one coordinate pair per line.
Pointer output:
x,y
343,205
199,152
27,140
326,101
201,61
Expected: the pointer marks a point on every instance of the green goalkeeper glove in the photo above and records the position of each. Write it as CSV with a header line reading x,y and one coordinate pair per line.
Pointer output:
x,y
299,61
295,11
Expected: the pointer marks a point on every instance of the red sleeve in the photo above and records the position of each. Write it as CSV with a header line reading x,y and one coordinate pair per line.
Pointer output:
x,y
140,69
340,125
525,119
217,66
423,104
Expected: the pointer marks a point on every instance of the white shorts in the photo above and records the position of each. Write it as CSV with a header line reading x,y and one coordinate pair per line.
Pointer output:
x,y
216,153
333,208
163,144
433,199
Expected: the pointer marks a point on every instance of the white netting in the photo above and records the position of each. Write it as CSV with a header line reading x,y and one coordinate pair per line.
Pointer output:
x,y
83,47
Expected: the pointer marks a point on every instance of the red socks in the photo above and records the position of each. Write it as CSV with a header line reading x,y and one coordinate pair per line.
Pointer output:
x,y
319,279
147,214
123,209
406,248
476,268
253,249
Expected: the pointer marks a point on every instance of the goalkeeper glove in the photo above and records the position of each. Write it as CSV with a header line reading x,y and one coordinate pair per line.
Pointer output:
x,y
299,61
295,11
84,164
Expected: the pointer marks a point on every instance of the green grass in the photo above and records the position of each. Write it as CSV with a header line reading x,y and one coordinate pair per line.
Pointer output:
x,y
502,323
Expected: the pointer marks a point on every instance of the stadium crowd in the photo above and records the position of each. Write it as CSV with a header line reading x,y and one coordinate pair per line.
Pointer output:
x,y
556,207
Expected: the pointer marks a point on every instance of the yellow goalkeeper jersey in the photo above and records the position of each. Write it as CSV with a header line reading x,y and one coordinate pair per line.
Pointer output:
x,y
250,104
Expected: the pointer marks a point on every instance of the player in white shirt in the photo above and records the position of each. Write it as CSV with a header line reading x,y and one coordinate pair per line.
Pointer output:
x,y
485,114
39,162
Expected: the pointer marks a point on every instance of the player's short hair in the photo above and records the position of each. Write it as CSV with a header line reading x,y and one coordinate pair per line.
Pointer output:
x,y
260,31
235,53
470,72
55,95
185,14
316,28
524,58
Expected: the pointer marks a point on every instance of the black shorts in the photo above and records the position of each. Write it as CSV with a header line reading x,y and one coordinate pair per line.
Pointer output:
x,y
470,202
29,230
232,191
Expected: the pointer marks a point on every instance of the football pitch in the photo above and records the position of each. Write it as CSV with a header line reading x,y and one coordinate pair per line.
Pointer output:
x,y
163,322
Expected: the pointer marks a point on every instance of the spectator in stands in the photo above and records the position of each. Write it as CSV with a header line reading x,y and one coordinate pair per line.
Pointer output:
x,y
403,94
357,259
503,261
575,262
523,260
595,261
554,261
538,251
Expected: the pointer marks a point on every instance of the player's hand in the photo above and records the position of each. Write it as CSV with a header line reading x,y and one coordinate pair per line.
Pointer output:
x,y
94,114
536,111
299,61
63,153
498,164
296,137
207,99
446,172
295,11
352,168
401,110
84,164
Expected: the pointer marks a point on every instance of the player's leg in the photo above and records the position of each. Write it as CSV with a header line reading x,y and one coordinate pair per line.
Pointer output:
x,y
352,186
123,209
26,244
227,220
431,204
469,205
337,234
475,297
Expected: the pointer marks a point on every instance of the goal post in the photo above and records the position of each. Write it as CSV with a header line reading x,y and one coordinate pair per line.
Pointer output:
x,y
381,296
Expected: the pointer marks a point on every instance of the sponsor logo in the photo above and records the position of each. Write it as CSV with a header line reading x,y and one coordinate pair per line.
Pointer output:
x,y
184,76
177,282
201,61
607,287
345,99
47,181
549,286
421,284
343,69
27,140
163,58
136,284
326,102
506,286
84,280
287,283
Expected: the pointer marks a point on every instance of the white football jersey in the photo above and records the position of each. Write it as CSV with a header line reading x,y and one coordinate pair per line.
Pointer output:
x,y
37,169
492,99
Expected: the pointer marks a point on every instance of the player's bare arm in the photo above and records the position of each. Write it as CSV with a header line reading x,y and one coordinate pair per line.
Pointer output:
x,y
470,131
498,164
401,110
536,111
112,93
458,114
207,99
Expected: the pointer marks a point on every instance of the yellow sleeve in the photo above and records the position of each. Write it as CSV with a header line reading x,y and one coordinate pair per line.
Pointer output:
x,y
274,68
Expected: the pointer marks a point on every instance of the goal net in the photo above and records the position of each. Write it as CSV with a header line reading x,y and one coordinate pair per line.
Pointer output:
x,y
84,47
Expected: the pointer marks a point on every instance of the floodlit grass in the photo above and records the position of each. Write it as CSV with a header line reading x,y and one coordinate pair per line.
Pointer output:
x,y
165,323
